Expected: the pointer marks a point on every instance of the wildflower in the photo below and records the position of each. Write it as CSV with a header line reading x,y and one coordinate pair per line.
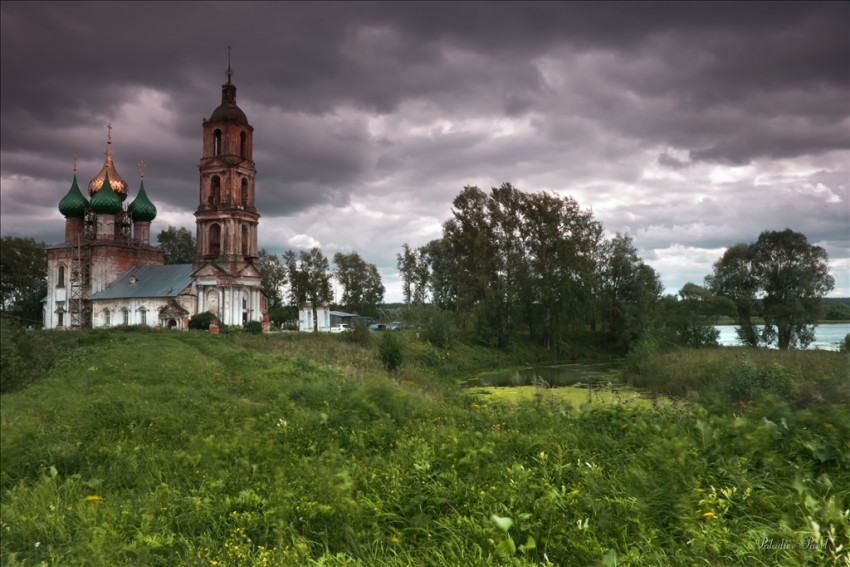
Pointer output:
x,y
710,516
93,498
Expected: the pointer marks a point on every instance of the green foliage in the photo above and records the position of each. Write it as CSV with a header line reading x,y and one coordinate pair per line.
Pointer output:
x,y
273,276
178,245
201,321
253,327
358,334
362,289
735,377
628,292
836,309
437,327
246,452
15,352
23,272
689,319
390,352
789,277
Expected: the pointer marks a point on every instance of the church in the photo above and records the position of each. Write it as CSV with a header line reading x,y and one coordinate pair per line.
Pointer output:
x,y
107,272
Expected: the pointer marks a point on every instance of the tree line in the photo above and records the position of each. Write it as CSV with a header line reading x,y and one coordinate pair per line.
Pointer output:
x,y
511,262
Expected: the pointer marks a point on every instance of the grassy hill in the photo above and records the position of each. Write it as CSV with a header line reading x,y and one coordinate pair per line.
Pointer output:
x,y
163,448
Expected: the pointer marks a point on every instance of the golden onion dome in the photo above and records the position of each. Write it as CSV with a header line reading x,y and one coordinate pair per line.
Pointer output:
x,y
119,186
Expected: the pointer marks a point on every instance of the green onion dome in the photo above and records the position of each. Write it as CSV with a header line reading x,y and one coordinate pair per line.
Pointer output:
x,y
106,201
74,204
141,209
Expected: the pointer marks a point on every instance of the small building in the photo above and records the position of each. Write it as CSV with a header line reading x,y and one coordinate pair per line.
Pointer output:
x,y
322,321
324,317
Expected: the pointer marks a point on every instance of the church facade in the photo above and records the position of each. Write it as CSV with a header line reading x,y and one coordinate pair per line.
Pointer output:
x,y
106,272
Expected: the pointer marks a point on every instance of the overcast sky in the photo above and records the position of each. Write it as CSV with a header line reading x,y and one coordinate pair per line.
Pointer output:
x,y
689,126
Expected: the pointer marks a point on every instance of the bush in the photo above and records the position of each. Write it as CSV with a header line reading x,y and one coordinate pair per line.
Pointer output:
x,y
390,352
358,334
438,328
14,352
201,321
253,327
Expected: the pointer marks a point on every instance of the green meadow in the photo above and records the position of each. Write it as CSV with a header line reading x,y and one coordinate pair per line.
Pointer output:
x,y
131,447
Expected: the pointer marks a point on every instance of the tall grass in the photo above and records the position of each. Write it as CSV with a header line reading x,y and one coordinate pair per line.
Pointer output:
x,y
192,449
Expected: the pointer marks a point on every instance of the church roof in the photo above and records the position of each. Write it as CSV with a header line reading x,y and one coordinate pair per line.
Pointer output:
x,y
227,111
148,281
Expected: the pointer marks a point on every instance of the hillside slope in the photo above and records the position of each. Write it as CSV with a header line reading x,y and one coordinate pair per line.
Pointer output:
x,y
148,448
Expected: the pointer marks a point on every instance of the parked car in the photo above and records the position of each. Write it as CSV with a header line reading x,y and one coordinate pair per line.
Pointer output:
x,y
341,328
377,327
395,326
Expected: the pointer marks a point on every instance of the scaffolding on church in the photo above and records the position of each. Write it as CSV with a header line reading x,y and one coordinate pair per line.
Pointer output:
x,y
79,308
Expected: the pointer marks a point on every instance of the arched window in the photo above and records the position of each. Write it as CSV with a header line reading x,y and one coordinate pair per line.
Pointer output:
x,y
215,192
143,316
214,239
244,307
125,316
243,145
107,319
217,143
246,248
244,193
60,279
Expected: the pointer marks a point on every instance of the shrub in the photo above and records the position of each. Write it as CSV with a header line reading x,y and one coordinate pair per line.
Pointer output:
x,y
744,381
438,328
253,327
14,352
201,321
390,352
358,334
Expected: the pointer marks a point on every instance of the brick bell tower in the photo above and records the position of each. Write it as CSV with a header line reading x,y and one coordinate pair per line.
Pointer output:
x,y
226,259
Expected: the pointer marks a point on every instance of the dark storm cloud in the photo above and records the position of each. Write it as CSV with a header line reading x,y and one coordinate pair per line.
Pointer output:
x,y
666,117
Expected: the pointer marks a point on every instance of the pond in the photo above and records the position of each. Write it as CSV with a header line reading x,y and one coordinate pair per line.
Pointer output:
x,y
585,375
575,383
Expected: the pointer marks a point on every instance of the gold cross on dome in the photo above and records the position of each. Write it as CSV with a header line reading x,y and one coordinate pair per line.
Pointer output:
x,y
109,135
142,169
74,159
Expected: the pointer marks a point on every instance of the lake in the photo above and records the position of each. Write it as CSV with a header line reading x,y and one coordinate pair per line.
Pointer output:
x,y
827,337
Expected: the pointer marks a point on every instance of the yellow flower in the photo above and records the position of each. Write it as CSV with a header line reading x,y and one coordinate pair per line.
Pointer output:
x,y
710,515
93,498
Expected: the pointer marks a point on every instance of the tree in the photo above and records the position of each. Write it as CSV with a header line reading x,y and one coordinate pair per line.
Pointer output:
x,y
23,278
415,274
561,246
178,244
273,275
794,276
734,279
781,277
629,289
512,257
309,279
689,319
362,289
